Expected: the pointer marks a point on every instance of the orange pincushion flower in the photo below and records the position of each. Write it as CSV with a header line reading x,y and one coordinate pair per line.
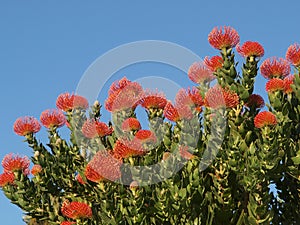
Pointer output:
x,y
12,163
274,84
250,48
67,102
67,223
131,124
118,85
80,179
103,166
93,128
125,148
255,101
214,63
36,169
274,67
26,125
92,175
200,73
217,97
52,118
293,54
223,37
287,81
123,96
153,100
171,113
76,210
263,119
188,100
184,153
196,98
144,136
6,178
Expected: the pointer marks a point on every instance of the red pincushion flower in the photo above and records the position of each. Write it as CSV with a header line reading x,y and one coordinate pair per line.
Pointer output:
x,y
52,118
196,98
118,85
274,84
223,37
26,125
67,223
103,166
92,175
153,100
200,73
131,124
67,102
76,210
12,163
287,81
125,96
36,169
144,136
6,178
171,113
263,119
125,148
255,101
184,153
80,179
250,48
93,128
188,100
274,67
293,54
214,63
217,97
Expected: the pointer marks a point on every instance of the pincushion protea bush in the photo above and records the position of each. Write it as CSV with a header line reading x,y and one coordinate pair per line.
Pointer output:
x,y
95,177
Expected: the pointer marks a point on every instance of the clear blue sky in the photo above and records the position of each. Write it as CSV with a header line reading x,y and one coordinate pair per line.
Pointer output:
x,y
45,47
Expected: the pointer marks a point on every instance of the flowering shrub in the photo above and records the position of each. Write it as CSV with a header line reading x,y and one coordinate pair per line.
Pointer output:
x,y
179,170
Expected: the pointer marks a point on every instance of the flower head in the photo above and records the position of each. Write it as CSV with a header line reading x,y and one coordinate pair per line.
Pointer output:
x,y
80,179
223,37
123,95
217,97
287,81
275,84
36,169
93,128
293,54
103,166
200,73
154,100
255,101
214,63
92,175
131,124
186,101
6,178
68,102
274,67
264,118
52,118
67,223
144,136
76,210
184,153
250,48
126,148
171,113
26,125
12,163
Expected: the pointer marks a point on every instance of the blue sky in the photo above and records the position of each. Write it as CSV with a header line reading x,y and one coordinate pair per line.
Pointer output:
x,y
46,46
